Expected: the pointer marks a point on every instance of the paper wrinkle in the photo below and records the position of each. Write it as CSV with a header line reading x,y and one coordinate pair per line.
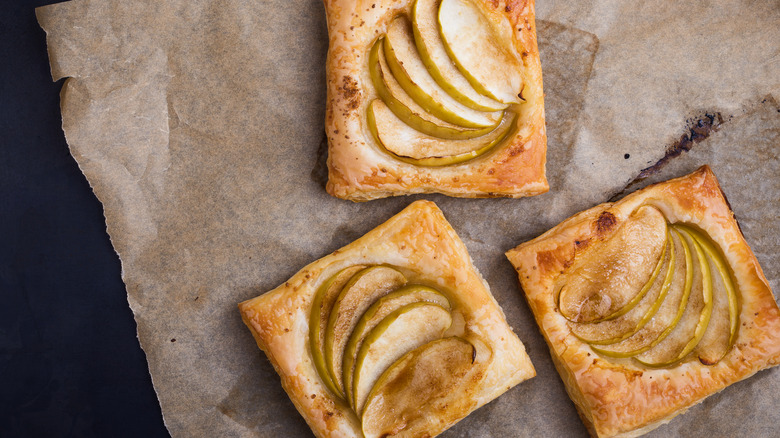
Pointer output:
x,y
199,123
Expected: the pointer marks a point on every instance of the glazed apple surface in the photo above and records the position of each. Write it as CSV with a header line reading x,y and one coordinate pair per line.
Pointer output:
x,y
378,342
656,292
449,84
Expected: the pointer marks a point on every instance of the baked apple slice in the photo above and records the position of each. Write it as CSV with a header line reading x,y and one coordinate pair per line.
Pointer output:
x,y
414,395
668,314
438,63
405,108
607,282
324,299
378,311
618,329
722,329
693,324
414,147
358,294
410,72
477,47
398,333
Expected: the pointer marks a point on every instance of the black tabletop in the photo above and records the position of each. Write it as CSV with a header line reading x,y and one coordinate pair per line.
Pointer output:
x,y
70,362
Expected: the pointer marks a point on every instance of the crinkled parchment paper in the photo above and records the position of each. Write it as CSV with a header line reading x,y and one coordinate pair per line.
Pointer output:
x,y
199,125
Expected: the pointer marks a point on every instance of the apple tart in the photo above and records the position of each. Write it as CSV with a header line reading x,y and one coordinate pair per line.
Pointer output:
x,y
650,304
395,334
434,96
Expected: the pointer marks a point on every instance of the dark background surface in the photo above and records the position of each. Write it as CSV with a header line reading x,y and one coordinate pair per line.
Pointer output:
x,y
70,362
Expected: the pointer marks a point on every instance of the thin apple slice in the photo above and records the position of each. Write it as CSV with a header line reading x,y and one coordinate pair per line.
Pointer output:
x,y
318,319
693,324
672,309
356,296
722,330
618,329
384,306
433,54
423,391
408,69
480,51
398,333
405,143
606,283
436,161
391,93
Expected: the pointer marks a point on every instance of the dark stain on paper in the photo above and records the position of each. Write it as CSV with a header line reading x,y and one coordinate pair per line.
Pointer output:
x,y
698,129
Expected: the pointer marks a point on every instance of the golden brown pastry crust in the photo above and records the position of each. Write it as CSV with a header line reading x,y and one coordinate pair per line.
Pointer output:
x,y
628,400
358,170
419,242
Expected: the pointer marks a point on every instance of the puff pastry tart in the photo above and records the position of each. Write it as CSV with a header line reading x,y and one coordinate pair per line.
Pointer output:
x,y
434,96
395,334
650,304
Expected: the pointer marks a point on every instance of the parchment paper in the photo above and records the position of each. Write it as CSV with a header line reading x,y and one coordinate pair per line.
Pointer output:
x,y
199,125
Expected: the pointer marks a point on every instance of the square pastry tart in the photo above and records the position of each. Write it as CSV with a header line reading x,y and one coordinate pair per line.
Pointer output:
x,y
396,334
650,304
434,96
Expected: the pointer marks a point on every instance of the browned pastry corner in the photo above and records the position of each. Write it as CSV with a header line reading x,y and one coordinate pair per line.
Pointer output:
x,y
434,96
650,304
396,334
